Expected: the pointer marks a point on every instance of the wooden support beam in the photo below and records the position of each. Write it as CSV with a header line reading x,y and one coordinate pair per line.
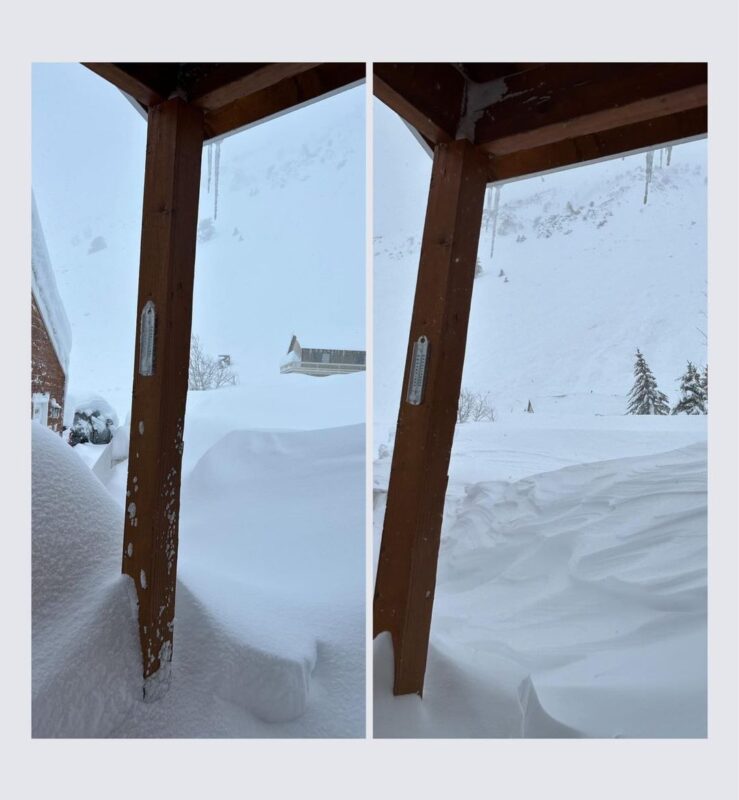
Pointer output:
x,y
164,315
226,85
139,88
406,574
291,91
594,147
428,97
599,122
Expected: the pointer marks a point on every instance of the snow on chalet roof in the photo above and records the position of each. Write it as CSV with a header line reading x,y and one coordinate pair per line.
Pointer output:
x,y
46,294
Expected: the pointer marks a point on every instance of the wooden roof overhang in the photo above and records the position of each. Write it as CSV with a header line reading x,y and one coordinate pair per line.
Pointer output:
x,y
232,96
533,118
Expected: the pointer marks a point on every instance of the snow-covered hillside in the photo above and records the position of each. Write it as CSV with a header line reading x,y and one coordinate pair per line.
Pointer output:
x,y
592,274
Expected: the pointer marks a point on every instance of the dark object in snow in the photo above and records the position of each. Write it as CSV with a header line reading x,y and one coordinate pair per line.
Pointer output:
x,y
529,408
693,392
97,244
91,426
321,362
645,397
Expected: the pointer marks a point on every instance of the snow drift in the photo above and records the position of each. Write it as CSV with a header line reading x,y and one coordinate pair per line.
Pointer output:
x,y
269,635
568,603
86,661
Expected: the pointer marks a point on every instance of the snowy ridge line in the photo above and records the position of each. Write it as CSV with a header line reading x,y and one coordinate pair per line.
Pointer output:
x,y
46,293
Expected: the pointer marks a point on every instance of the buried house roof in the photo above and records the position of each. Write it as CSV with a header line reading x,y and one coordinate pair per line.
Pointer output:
x,y
46,294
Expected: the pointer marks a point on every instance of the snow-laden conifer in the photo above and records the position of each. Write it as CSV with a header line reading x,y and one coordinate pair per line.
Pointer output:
x,y
692,394
645,397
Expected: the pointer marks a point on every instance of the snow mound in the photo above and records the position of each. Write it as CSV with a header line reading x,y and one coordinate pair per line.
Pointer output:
x,y
86,661
252,648
577,598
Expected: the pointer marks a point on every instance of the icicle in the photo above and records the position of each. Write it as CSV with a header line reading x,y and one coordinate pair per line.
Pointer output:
x,y
650,162
669,154
494,219
661,153
216,180
488,194
210,164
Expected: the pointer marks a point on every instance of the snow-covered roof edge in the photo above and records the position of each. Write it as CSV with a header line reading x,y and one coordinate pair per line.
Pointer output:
x,y
46,293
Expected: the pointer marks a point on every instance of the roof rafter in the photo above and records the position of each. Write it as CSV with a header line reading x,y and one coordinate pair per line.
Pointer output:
x,y
555,102
631,138
531,118
292,91
231,95
427,96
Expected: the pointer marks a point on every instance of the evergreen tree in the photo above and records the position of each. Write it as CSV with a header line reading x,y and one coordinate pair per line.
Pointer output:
x,y
645,397
704,385
692,397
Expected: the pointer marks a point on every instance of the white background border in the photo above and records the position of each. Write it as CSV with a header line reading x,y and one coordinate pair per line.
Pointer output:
x,y
569,30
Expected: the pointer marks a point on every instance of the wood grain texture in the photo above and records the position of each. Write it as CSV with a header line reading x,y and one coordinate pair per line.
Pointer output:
x,y
294,90
429,97
168,236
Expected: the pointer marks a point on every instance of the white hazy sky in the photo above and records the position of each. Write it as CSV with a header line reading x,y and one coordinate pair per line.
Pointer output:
x,y
287,254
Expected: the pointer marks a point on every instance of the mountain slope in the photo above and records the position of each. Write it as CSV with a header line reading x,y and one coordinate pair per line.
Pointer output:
x,y
592,274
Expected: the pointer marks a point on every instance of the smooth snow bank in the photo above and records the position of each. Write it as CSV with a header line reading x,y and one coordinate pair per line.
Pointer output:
x,y
568,603
271,401
269,634
86,661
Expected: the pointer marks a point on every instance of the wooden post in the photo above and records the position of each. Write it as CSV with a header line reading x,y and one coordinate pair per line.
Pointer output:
x,y
406,574
169,227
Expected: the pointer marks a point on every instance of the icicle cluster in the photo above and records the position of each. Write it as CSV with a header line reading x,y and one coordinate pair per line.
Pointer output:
x,y
216,180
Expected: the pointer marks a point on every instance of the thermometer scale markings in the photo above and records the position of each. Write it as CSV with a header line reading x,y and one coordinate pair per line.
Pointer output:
x,y
417,381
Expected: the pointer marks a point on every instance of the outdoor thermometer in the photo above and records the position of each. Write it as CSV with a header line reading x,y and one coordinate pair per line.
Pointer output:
x,y
146,346
417,380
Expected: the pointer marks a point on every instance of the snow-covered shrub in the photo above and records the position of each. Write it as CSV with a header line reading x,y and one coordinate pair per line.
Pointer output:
x,y
94,421
474,407
206,371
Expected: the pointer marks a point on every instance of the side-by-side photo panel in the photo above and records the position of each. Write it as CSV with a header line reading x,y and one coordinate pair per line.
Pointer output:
x,y
198,400
540,400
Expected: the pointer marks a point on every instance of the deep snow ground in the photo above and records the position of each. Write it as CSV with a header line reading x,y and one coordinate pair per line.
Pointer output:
x,y
571,592
269,634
